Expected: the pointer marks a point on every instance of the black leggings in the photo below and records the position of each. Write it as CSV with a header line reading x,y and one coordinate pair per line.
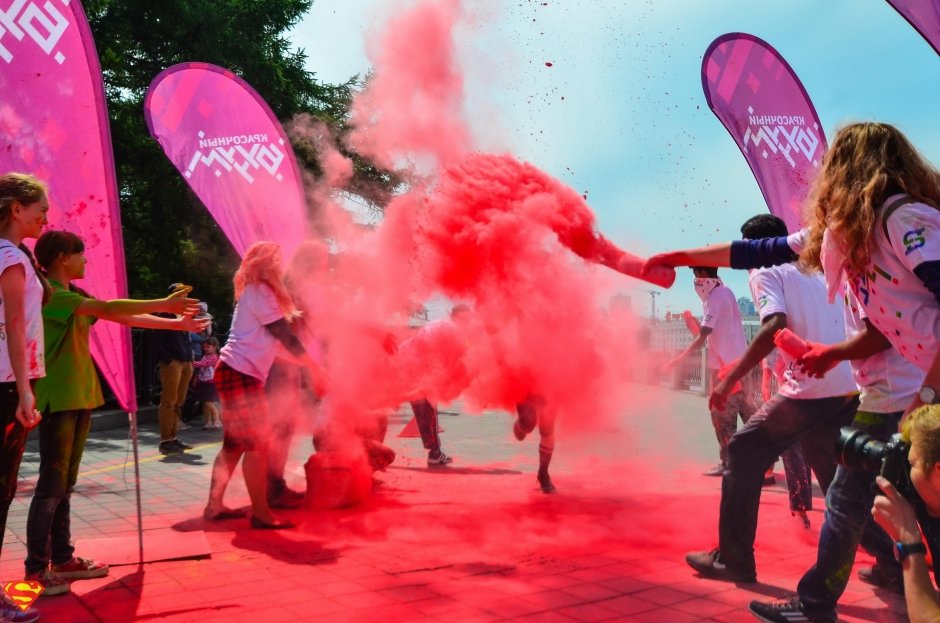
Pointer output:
x,y
12,444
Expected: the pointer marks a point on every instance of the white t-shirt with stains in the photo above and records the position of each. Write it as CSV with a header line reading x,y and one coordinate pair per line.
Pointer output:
x,y
893,297
10,256
251,347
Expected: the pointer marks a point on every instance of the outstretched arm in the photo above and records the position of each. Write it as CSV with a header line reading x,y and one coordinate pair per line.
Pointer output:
x,y
176,303
742,254
718,255
147,321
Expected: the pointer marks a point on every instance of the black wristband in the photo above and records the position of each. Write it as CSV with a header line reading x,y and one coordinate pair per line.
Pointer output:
x,y
903,550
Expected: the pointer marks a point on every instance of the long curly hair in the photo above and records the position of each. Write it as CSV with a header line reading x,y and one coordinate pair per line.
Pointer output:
x,y
262,265
866,164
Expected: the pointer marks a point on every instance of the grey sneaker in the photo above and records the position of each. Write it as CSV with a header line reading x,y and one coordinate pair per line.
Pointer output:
x,y
80,569
53,584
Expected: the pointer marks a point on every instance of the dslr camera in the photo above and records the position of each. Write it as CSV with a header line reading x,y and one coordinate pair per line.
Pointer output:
x,y
857,449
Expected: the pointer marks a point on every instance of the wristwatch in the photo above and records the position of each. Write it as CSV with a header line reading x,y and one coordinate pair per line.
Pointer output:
x,y
903,550
927,394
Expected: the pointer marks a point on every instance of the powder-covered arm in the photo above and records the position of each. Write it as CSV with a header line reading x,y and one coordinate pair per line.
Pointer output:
x,y
281,330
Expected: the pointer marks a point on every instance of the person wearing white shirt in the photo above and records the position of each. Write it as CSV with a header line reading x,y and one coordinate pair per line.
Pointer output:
x,y
805,410
721,328
874,221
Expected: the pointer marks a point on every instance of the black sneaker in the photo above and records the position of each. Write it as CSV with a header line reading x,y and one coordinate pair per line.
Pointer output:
x,y
883,576
709,565
438,458
168,447
716,471
785,612
285,500
181,445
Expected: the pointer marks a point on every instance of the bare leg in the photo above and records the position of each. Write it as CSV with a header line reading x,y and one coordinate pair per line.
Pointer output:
x,y
212,408
222,470
255,468
527,415
546,449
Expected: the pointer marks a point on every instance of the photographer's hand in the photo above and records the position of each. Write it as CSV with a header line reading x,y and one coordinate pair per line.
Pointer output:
x,y
895,514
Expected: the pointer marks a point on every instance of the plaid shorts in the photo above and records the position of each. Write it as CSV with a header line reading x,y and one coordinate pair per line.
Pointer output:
x,y
244,409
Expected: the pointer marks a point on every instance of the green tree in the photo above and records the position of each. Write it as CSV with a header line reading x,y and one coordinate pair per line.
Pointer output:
x,y
168,234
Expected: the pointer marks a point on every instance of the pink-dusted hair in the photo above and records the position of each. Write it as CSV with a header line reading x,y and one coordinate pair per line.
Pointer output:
x,y
262,265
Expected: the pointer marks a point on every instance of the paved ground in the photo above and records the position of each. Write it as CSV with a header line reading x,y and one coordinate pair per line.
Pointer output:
x,y
472,542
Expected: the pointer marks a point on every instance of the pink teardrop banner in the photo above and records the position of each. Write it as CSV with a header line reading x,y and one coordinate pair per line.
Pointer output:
x,y
54,124
228,145
762,103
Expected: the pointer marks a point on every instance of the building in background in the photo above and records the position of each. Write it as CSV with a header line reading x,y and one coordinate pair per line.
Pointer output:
x,y
746,306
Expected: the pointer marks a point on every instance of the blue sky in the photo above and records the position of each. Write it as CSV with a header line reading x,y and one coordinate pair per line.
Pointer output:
x,y
621,114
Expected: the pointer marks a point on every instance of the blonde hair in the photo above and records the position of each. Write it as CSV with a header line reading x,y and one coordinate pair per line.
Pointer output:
x,y
19,187
262,265
866,164
922,429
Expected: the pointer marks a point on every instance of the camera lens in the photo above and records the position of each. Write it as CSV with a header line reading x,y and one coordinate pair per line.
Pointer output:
x,y
859,450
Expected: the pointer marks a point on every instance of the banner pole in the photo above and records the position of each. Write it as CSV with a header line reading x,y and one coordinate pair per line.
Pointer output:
x,y
132,420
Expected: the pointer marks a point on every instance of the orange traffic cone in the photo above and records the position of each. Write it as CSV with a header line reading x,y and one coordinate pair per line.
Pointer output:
x,y
410,429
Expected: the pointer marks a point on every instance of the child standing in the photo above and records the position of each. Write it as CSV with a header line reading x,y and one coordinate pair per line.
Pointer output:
x,y
204,389
23,207
66,396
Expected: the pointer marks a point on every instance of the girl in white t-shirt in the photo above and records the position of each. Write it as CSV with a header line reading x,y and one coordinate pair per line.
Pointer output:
x,y
23,207
875,221
259,324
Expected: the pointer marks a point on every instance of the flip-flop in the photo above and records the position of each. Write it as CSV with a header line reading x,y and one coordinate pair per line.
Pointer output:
x,y
225,513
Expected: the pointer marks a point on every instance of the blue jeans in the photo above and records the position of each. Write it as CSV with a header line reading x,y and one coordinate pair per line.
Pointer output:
x,y
777,425
848,524
62,437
